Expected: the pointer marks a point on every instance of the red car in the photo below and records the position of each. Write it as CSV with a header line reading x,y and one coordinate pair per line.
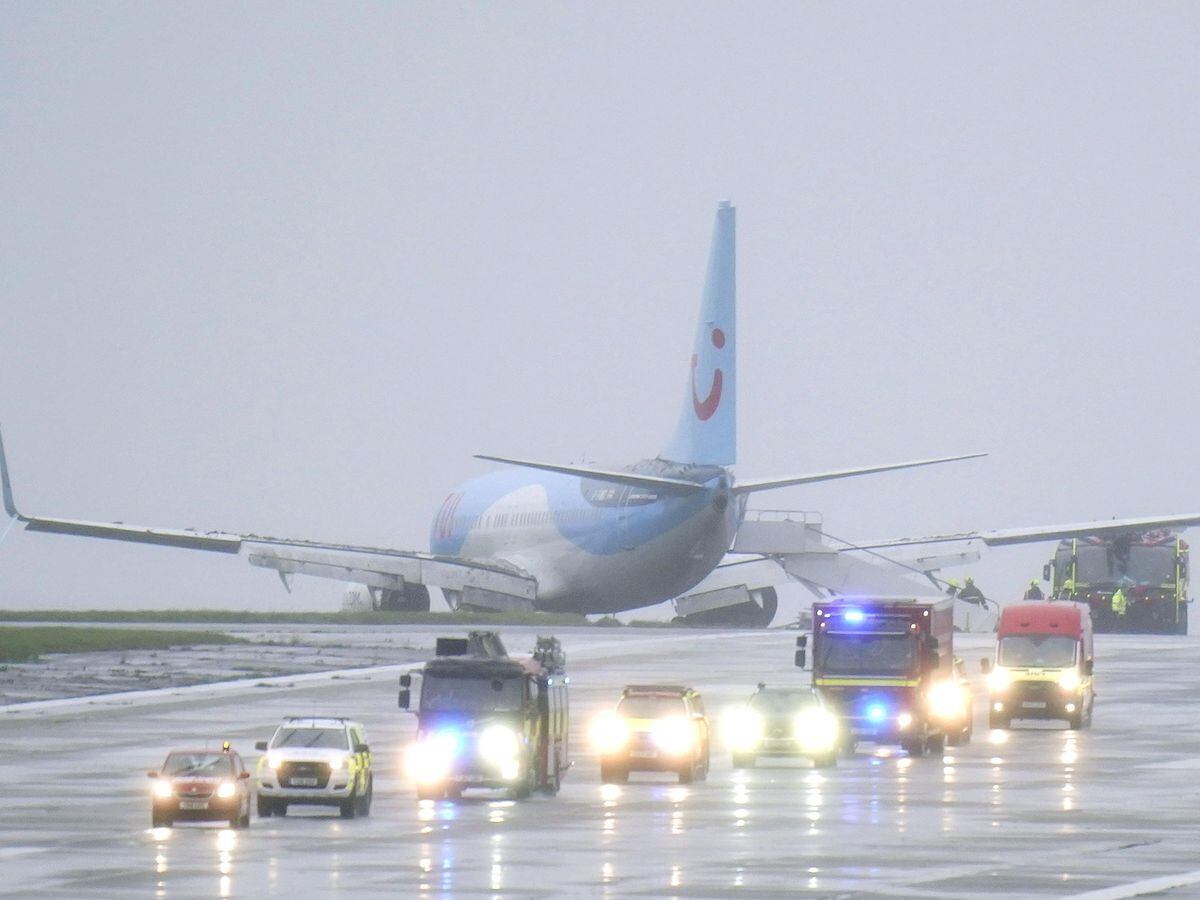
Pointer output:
x,y
201,786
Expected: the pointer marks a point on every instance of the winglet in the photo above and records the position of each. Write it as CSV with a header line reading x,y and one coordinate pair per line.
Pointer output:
x,y
10,506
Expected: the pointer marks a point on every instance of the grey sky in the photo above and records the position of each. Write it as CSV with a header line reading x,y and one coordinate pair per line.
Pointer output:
x,y
283,269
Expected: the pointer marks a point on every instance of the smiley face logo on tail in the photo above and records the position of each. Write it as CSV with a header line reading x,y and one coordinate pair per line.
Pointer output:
x,y
708,406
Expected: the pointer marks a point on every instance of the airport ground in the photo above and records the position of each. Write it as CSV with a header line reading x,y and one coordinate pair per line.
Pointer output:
x,y
1106,812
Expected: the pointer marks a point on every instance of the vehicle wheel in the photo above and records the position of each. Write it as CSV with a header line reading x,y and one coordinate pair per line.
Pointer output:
x,y
702,775
364,802
914,747
266,807
612,773
1075,720
688,773
936,744
1181,627
348,808
825,762
280,807
553,781
995,720
160,820
744,760
243,821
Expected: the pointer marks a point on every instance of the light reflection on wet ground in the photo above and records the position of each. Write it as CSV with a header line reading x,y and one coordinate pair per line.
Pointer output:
x,y
1036,811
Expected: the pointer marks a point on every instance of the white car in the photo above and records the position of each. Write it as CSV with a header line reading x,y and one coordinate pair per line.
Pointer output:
x,y
315,762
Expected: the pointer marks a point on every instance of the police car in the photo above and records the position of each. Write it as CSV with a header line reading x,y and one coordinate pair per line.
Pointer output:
x,y
315,762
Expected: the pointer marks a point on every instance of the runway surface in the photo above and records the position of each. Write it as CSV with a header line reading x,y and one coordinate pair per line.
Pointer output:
x,y
1105,812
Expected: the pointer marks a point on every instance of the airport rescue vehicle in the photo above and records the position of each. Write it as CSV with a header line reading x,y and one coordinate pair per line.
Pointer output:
x,y
488,720
886,666
1149,568
1043,664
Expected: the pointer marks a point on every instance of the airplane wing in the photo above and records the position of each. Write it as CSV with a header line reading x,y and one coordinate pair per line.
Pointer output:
x,y
766,484
373,566
1006,536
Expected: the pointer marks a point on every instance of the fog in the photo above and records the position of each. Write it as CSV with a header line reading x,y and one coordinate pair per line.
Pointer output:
x,y
283,269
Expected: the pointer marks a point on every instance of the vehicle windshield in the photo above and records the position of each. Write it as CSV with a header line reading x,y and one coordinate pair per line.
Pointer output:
x,y
1093,565
857,653
1047,651
200,765
781,703
1151,565
330,738
651,707
441,693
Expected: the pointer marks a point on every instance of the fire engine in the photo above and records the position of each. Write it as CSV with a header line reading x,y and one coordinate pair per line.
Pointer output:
x,y
488,720
1150,569
886,666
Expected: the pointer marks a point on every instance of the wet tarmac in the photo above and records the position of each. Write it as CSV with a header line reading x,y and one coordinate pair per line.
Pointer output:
x,y
1041,811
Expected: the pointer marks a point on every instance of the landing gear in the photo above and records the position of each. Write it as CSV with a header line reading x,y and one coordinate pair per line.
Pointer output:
x,y
413,598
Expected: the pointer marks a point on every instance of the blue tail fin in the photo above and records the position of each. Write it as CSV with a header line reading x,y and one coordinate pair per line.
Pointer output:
x,y
707,429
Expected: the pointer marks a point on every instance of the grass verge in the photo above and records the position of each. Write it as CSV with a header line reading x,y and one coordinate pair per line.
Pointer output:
x,y
183,616
23,644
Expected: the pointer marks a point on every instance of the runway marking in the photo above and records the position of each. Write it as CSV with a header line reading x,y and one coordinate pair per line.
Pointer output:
x,y
1142,888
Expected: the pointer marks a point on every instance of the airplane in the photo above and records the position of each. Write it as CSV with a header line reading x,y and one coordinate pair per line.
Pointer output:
x,y
543,536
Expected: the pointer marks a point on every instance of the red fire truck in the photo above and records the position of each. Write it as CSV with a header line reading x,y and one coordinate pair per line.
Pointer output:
x,y
886,666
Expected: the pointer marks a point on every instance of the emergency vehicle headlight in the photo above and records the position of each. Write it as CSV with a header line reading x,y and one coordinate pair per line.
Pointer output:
x,y
226,790
1068,680
673,736
429,759
999,678
816,730
498,744
744,729
336,763
609,733
946,700
163,789
904,720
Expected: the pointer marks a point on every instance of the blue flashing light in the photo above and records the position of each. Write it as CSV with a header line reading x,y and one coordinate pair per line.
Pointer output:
x,y
449,742
876,712
853,616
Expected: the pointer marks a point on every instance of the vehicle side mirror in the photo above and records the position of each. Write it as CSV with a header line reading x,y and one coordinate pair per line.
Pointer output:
x,y
1089,666
985,665
405,680
800,658
1047,571
404,699
243,776
261,746
152,774
362,748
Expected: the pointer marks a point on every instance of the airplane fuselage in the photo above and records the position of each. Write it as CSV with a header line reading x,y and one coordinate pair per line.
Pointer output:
x,y
594,546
